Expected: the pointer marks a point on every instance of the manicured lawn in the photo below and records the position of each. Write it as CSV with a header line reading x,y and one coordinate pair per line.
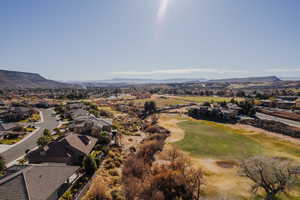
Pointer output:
x,y
10,141
202,139
201,99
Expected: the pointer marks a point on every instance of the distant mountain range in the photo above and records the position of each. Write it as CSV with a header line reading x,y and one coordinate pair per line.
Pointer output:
x,y
248,79
13,79
118,81
128,81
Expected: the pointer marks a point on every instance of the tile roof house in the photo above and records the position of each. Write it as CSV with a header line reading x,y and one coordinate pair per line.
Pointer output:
x,y
90,125
70,149
11,130
37,182
14,114
75,113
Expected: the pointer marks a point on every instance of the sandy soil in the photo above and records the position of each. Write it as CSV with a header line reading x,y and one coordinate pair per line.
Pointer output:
x,y
128,141
177,134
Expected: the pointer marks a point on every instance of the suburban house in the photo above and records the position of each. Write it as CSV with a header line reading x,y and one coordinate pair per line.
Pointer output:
x,y
70,149
11,130
215,113
75,113
15,114
75,105
90,125
43,104
37,182
284,104
278,103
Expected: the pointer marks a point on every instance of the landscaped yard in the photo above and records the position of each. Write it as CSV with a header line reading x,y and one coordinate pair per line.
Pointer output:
x,y
34,118
10,141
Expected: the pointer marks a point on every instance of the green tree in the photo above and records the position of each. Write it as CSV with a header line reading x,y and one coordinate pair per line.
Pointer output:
x,y
2,164
89,164
43,141
149,107
47,132
104,138
247,107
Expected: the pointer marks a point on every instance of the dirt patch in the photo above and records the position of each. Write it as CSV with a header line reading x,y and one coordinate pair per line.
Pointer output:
x,y
177,134
130,142
226,164
222,181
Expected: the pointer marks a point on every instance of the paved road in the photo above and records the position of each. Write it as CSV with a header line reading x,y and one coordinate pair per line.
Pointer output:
x,y
50,122
285,121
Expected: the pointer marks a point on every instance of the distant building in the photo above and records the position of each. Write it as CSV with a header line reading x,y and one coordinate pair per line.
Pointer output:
x,y
278,103
215,113
37,182
285,104
90,125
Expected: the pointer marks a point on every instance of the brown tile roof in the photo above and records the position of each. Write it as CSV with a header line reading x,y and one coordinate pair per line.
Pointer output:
x,y
35,182
82,143
63,148
14,188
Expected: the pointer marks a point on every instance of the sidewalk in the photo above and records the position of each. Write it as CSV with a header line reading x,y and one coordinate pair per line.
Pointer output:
x,y
5,147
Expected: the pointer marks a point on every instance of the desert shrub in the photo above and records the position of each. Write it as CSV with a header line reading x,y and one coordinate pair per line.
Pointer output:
x,y
99,191
117,195
113,172
149,148
156,129
104,138
109,164
105,113
170,184
134,167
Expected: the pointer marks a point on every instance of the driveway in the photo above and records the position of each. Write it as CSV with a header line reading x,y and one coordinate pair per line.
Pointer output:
x,y
50,122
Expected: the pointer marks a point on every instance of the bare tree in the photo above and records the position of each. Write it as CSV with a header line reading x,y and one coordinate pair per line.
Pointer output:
x,y
270,174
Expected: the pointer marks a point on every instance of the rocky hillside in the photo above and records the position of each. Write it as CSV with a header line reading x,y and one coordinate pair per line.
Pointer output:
x,y
13,79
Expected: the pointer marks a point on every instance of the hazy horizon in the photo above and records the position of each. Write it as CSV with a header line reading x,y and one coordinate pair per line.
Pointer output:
x,y
155,39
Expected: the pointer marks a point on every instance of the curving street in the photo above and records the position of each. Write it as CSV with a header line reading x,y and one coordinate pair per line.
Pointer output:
x,y
50,122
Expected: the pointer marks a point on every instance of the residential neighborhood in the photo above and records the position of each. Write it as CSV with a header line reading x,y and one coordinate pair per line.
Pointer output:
x,y
64,145
150,100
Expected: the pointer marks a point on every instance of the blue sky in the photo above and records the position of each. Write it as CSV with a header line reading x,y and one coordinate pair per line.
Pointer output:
x,y
101,39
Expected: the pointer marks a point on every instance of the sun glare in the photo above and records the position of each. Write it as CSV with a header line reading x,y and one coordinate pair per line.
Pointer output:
x,y
162,9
